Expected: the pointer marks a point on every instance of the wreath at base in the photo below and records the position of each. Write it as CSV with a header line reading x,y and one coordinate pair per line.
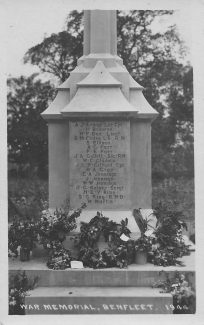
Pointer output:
x,y
162,245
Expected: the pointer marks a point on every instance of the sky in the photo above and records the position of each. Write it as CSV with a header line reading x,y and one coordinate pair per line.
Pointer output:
x,y
28,22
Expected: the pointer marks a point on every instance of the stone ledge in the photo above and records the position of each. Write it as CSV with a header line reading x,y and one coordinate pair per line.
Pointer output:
x,y
97,300
98,292
134,275
40,264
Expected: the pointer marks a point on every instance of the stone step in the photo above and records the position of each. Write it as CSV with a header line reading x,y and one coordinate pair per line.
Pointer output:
x,y
90,277
98,300
134,275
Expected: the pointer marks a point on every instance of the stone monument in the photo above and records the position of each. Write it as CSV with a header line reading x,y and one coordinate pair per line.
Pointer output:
x,y
100,131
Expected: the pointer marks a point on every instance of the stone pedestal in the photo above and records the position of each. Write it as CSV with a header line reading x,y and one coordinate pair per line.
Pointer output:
x,y
100,131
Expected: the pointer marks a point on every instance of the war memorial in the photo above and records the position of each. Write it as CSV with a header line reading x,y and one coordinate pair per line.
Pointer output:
x,y
99,135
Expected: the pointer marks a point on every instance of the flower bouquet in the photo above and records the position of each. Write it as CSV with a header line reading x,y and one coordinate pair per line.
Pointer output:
x,y
19,285
59,257
22,234
182,292
143,246
54,226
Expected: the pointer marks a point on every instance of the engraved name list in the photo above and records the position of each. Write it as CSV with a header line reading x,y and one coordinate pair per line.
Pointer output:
x,y
99,158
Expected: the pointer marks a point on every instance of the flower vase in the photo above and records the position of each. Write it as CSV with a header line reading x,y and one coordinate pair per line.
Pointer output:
x,y
39,251
61,236
140,257
24,254
101,243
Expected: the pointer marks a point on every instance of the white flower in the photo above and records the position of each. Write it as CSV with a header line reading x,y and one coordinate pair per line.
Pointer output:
x,y
149,233
51,212
12,303
154,247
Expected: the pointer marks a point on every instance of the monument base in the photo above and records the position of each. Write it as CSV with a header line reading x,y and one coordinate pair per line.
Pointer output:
x,y
98,300
101,291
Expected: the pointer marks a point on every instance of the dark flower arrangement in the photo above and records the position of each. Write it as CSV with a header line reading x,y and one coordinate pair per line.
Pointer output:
x,y
147,239
99,225
182,292
122,255
59,258
52,231
91,257
55,226
144,244
117,254
164,245
23,234
169,239
19,285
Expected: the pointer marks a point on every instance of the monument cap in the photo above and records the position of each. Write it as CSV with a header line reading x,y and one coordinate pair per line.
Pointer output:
x,y
99,76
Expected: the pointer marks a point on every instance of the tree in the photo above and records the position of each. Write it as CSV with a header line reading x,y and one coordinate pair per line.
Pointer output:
x,y
153,59
58,53
27,132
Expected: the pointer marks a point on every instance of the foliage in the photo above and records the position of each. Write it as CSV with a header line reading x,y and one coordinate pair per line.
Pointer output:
x,y
91,257
123,229
164,257
121,255
169,239
169,225
172,133
27,131
90,234
117,254
52,231
143,223
19,285
59,257
21,233
137,44
147,238
27,197
182,292
58,53
99,225
143,244
55,226
113,256
177,193
164,244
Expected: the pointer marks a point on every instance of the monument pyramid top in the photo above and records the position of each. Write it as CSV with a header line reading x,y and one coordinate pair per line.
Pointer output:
x,y
99,76
100,84
99,94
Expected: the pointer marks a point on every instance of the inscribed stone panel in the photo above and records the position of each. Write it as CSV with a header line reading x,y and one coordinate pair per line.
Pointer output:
x,y
99,164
